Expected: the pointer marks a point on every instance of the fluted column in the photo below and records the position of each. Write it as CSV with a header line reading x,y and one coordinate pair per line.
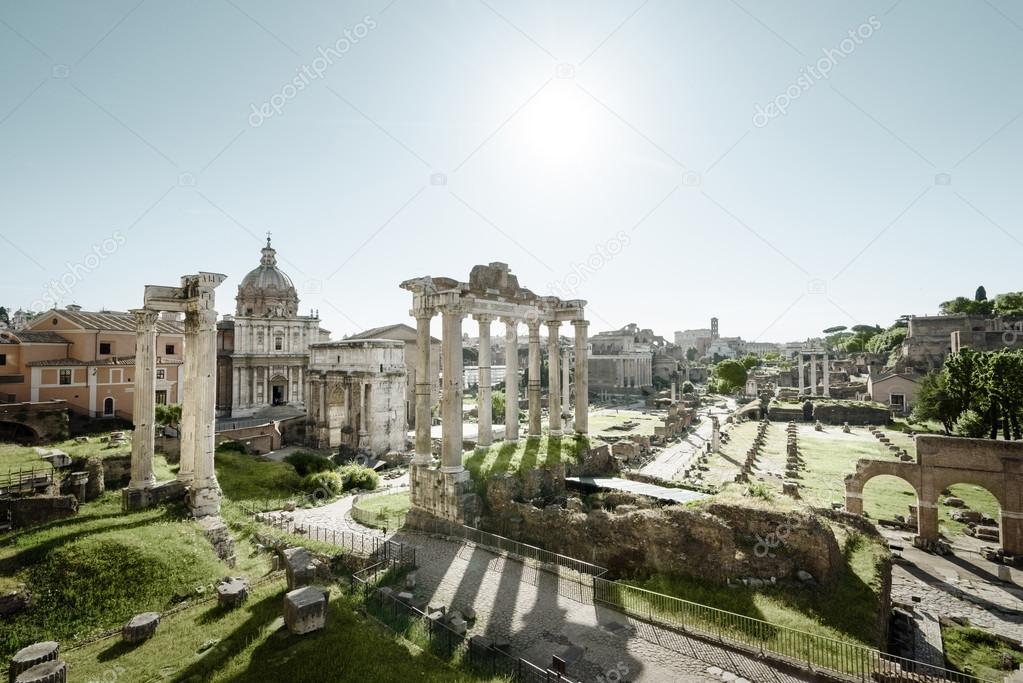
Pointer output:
x,y
143,439
554,376
207,501
511,379
189,400
813,374
424,418
582,378
484,406
533,383
451,449
566,387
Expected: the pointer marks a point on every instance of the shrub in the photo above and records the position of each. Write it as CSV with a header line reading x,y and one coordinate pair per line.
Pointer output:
x,y
308,463
232,447
972,424
359,477
330,481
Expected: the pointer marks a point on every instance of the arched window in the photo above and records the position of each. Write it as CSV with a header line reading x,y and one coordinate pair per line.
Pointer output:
x,y
108,406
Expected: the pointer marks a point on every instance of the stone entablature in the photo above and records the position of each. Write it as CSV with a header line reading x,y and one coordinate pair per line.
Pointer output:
x,y
356,392
943,461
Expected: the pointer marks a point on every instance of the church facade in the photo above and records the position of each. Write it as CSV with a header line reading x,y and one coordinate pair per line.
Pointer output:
x,y
263,349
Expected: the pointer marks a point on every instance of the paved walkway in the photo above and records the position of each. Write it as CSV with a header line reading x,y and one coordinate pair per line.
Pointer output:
x,y
673,460
543,615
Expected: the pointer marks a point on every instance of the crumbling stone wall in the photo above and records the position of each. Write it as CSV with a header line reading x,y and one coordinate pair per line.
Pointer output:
x,y
35,510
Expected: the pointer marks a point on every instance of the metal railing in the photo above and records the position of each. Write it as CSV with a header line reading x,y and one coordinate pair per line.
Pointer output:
x,y
369,518
841,659
25,479
477,654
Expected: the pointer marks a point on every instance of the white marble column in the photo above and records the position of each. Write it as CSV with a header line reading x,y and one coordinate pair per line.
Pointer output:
x,y
365,389
582,380
554,377
189,401
566,387
484,406
813,374
143,439
206,490
451,449
827,376
236,387
533,382
802,375
511,379
424,418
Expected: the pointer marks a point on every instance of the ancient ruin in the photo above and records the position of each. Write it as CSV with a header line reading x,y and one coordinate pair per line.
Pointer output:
x,y
816,356
492,293
357,395
194,298
943,461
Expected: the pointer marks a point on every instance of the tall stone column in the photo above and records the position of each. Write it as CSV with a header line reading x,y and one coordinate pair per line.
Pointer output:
x,y
566,387
189,400
813,374
802,374
424,418
533,384
511,379
204,497
554,376
451,449
364,395
143,439
484,406
582,378
827,376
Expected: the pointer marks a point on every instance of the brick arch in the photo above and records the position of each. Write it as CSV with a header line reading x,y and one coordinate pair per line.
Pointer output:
x,y
942,461
41,422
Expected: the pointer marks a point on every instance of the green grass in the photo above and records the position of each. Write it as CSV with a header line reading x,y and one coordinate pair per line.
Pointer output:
x,y
249,645
255,479
521,456
978,653
94,571
383,511
847,609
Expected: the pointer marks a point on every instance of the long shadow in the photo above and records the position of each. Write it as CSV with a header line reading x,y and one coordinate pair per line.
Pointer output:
x,y
529,455
553,451
504,457
946,587
983,574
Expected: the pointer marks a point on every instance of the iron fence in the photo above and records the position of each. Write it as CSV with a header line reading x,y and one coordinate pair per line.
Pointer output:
x,y
838,658
25,480
475,653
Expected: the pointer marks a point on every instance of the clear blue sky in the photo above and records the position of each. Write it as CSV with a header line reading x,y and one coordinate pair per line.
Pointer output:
x,y
623,135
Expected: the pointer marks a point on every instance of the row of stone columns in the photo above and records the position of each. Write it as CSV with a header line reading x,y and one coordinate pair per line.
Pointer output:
x,y
826,363
451,398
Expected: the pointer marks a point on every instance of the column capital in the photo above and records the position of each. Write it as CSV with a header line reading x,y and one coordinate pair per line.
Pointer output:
x,y
456,308
423,312
580,324
145,319
553,324
533,325
510,320
484,318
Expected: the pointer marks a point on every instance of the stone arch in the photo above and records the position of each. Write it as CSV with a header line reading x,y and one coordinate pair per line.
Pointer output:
x,y
868,469
18,432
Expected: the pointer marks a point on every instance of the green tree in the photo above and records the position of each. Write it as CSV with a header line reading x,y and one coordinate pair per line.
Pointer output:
x,y
497,403
1009,304
749,361
965,305
934,402
691,354
835,330
4,317
981,294
168,415
732,375
887,341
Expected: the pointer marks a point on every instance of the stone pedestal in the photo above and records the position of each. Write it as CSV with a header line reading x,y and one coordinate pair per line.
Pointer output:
x,y
232,592
140,627
305,609
448,496
37,653
47,672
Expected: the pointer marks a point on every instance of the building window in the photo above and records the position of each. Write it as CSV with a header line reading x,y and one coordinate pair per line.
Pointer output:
x,y
168,350
3,359
278,343
161,373
65,377
161,397
108,406
897,400
104,348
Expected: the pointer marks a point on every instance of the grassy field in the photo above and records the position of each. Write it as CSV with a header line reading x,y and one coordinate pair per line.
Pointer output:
x,y
978,653
208,644
846,610
521,456
96,570
250,478
383,511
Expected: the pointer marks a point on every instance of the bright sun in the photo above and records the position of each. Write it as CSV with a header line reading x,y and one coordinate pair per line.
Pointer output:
x,y
557,126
